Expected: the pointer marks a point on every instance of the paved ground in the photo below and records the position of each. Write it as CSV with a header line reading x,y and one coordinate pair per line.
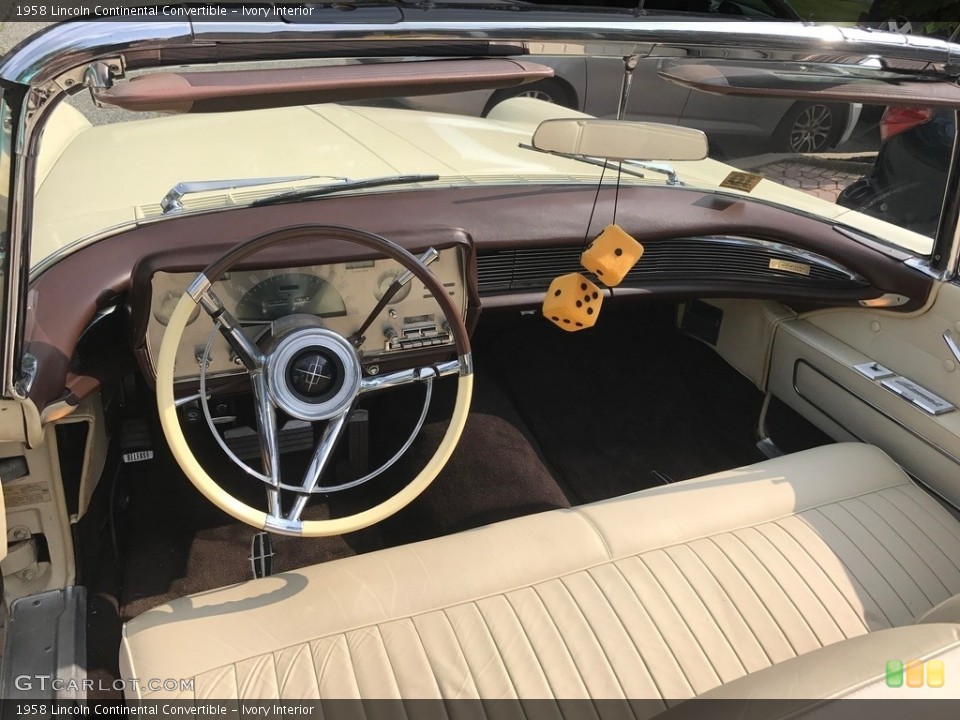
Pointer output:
x,y
823,176
12,33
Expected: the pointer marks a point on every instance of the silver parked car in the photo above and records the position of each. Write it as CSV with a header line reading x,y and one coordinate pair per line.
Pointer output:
x,y
592,85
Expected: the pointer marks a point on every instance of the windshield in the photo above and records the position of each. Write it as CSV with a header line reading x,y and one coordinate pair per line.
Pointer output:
x,y
879,170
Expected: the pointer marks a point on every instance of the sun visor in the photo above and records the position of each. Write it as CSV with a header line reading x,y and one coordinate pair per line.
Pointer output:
x,y
815,81
226,91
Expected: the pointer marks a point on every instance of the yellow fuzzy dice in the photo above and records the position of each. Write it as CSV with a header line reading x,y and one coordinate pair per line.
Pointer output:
x,y
612,255
572,302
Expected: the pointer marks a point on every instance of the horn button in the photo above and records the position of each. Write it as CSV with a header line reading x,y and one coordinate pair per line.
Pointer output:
x,y
313,374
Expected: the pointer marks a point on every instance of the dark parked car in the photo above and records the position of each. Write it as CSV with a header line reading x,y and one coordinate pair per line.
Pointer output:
x,y
909,176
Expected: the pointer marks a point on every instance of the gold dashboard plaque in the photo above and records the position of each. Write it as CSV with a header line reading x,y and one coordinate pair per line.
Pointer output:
x,y
741,181
790,267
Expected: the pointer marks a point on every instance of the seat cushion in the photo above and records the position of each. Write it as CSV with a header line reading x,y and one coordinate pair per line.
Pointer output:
x,y
666,593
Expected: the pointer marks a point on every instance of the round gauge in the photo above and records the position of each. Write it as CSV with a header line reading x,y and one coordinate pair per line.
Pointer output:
x,y
386,280
164,307
288,293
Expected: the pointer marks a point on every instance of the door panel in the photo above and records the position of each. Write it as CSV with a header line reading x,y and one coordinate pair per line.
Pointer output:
x,y
813,371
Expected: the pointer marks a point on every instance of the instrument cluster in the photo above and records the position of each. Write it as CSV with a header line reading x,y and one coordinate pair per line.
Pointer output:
x,y
341,294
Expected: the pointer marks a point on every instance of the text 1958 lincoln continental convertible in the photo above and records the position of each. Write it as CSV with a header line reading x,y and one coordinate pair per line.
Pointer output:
x,y
308,395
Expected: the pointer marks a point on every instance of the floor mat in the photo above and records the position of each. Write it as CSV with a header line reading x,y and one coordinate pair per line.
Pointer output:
x,y
631,397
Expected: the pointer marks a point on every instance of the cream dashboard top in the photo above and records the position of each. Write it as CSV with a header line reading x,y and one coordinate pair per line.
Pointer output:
x,y
342,294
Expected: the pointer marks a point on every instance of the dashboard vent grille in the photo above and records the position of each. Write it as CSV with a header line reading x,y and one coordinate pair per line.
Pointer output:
x,y
699,258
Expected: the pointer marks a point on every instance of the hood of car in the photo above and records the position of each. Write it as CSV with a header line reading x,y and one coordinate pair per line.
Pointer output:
x,y
95,178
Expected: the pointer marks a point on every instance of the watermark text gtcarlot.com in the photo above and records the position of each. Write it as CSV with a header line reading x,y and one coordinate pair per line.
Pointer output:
x,y
42,683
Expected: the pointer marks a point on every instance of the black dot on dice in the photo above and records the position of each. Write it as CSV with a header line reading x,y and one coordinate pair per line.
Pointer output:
x,y
579,324
583,286
579,303
589,311
557,293
618,252
599,274
555,318
595,295
566,322
586,298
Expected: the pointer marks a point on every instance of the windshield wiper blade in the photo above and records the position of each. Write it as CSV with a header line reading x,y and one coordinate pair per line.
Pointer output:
x,y
663,168
172,201
332,188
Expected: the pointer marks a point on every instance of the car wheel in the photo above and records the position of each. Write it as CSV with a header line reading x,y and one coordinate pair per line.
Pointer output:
x,y
809,128
551,91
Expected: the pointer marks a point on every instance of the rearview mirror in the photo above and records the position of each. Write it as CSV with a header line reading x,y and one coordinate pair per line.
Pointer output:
x,y
620,139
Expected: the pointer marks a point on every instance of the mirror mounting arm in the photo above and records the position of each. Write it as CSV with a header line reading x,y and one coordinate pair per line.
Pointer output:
x,y
630,63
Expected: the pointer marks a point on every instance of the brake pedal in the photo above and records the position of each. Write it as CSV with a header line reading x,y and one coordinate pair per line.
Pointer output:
x,y
261,555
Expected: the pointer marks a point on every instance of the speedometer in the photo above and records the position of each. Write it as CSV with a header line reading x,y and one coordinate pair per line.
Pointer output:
x,y
288,293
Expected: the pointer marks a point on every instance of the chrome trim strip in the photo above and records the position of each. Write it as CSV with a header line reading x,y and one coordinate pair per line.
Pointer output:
x,y
932,445
283,526
466,364
24,155
952,344
28,373
922,264
773,246
946,249
199,288
59,48
406,377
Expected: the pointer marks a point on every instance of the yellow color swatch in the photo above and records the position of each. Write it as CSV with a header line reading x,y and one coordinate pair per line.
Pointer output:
x,y
935,673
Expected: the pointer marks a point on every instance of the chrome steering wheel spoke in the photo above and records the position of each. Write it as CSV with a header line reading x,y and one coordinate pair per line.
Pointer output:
x,y
247,351
269,439
460,366
319,461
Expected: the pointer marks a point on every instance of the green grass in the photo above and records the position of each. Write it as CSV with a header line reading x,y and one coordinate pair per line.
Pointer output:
x,y
831,11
